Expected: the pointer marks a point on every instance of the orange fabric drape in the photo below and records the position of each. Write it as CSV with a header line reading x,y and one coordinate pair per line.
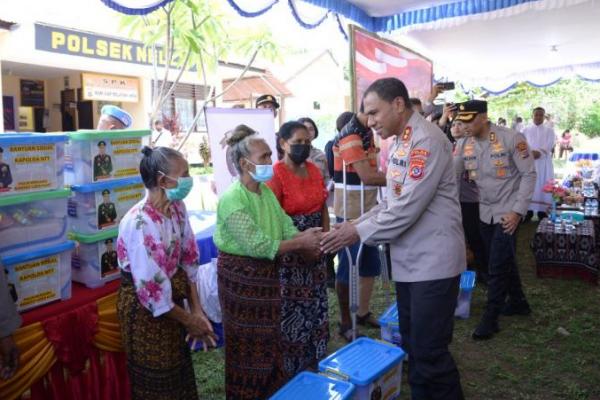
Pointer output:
x,y
38,355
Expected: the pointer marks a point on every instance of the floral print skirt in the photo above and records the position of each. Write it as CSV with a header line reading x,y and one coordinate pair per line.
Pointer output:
x,y
158,358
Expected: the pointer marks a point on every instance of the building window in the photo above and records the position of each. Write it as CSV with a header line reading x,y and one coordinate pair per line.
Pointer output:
x,y
316,105
185,101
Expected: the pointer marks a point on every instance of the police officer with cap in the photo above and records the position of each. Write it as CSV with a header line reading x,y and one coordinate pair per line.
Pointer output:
x,y
268,101
107,212
420,220
499,161
113,117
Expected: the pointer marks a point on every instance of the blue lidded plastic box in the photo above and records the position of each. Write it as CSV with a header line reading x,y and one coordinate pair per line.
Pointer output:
x,y
390,327
41,276
31,162
467,284
99,206
30,221
374,367
308,385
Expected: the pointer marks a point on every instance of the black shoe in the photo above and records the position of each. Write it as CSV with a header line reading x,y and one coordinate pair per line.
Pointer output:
x,y
486,329
528,216
511,309
541,215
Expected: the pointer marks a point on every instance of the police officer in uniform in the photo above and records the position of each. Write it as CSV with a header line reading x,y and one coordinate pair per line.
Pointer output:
x,y
109,262
268,101
499,161
5,175
420,220
102,162
107,212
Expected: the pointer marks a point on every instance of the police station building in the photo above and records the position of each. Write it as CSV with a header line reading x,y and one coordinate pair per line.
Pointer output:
x,y
59,69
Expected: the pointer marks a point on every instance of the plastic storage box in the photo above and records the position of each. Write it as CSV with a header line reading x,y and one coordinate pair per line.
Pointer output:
x,y
95,261
41,276
467,284
308,385
390,327
375,368
100,206
31,162
95,156
33,220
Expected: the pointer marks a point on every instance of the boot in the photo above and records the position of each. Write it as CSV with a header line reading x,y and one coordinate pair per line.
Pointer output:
x,y
487,328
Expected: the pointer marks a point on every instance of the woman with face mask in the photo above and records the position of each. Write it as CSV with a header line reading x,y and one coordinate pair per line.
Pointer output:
x,y
158,258
256,239
317,156
300,189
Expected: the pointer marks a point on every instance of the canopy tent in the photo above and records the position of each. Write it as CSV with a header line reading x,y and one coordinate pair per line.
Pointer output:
x,y
482,43
493,44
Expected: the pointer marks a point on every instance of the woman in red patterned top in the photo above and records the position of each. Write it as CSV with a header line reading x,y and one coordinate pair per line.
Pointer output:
x,y
299,186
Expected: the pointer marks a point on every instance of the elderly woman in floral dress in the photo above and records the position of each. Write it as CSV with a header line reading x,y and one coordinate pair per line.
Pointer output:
x,y
158,258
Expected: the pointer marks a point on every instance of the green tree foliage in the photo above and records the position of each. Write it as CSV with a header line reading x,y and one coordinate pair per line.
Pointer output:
x,y
568,101
590,124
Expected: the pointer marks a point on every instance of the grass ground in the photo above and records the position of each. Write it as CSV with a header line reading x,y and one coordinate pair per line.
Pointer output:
x,y
528,359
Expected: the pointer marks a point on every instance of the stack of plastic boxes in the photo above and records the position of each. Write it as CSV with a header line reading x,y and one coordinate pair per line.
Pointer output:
x,y
103,170
35,252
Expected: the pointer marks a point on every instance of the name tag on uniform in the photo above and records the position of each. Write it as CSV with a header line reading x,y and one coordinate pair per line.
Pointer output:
x,y
499,155
399,162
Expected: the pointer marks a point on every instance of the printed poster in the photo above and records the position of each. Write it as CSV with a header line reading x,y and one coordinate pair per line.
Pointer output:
x,y
116,158
113,204
109,262
25,168
35,282
220,122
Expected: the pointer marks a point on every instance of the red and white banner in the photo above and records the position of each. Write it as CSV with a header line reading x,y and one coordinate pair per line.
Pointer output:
x,y
375,58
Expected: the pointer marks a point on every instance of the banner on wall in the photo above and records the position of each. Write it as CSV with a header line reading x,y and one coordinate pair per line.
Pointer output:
x,y
111,88
374,58
220,122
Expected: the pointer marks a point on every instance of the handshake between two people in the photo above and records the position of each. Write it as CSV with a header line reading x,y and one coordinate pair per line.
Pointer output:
x,y
313,242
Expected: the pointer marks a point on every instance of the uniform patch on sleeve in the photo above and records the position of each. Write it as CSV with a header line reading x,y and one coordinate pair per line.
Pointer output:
x,y
416,168
419,153
523,149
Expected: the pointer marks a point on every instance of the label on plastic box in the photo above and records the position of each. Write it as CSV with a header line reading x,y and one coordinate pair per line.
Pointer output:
x,y
116,158
27,167
35,282
113,204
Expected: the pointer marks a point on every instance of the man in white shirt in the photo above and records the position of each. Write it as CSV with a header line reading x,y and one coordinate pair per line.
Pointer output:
x,y
161,137
540,138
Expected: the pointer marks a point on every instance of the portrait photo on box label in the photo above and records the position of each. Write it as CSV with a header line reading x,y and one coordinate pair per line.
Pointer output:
x,y
36,282
116,158
26,168
113,204
109,263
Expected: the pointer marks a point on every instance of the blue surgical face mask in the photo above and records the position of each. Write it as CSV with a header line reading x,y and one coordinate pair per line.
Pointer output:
x,y
264,172
183,188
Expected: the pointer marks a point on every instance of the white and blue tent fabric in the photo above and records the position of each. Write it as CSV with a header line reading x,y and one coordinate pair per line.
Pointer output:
x,y
492,44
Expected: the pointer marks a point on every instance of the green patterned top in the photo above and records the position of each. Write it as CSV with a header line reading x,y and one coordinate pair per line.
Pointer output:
x,y
251,224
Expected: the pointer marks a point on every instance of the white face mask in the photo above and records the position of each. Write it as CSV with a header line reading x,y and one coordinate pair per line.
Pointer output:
x,y
264,172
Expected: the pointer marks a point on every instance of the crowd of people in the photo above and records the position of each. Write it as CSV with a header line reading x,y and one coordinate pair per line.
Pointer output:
x,y
451,182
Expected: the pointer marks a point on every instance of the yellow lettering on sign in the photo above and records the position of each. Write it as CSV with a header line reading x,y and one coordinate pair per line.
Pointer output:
x,y
84,47
141,55
127,52
73,43
57,39
102,48
114,50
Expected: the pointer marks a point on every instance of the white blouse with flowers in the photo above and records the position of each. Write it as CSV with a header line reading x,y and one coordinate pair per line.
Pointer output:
x,y
152,246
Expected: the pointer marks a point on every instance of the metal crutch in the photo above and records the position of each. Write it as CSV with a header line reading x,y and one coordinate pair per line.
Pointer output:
x,y
353,270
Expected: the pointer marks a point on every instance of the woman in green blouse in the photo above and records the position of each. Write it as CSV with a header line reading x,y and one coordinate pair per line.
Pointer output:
x,y
254,237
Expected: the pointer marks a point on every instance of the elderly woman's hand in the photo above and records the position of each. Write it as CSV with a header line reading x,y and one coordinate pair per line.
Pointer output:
x,y
199,327
310,240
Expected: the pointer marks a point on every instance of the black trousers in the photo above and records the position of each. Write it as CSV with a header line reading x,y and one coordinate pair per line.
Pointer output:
x,y
470,222
426,317
504,279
